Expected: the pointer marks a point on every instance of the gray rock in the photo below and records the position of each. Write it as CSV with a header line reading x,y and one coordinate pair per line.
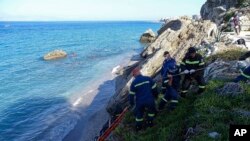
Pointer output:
x,y
213,9
242,112
230,89
148,36
243,64
221,70
214,135
173,25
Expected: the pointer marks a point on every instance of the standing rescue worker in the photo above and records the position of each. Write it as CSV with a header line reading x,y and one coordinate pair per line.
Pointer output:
x,y
170,87
193,66
144,90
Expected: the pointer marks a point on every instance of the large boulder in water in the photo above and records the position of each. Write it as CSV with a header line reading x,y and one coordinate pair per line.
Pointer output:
x,y
148,36
56,54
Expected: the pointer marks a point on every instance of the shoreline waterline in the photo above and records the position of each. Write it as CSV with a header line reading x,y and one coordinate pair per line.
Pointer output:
x,y
43,100
89,125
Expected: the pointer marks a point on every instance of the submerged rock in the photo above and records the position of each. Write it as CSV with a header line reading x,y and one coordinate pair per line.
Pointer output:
x,y
148,36
56,54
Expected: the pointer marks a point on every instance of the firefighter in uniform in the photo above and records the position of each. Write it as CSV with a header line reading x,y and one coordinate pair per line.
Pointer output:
x,y
170,87
193,66
144,90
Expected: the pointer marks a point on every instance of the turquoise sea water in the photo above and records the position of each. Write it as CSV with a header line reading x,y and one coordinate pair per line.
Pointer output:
x,y
37,97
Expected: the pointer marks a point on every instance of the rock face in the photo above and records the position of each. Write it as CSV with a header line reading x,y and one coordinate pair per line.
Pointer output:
x,y
215,9
221,70
148,36
231,89
245,19
176,38
56,54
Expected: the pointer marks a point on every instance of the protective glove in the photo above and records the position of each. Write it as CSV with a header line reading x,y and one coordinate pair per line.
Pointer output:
x,y
186,71
192,71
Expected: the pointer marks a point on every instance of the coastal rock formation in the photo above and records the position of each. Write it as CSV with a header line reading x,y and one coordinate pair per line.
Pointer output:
x,y
219,10
176,38
148,36
215,9
224,70
56,54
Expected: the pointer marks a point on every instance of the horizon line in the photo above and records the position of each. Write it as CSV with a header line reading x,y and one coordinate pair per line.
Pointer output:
x,y
79,20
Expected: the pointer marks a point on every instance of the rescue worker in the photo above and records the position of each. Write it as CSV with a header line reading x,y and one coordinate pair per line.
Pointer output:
x,y
245,75
193,66
237,25
144,90
167,62
170,87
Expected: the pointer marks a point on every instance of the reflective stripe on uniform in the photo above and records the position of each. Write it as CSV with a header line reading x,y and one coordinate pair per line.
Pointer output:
x,y
145,82
202,63
174,101
166,81
202,87
130,92
164,99
138,119
192,62
245,75
151,115
185,91
182,63
154,86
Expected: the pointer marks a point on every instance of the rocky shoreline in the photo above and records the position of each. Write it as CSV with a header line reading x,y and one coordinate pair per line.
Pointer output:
x,y
176,36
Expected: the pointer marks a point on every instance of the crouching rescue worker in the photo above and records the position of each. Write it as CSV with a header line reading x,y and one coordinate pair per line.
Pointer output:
x,y
245,75
144,90
170,86
193,66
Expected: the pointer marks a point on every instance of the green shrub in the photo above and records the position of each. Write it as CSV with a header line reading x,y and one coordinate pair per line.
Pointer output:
x,y
210,112
228,55
243,3
228,16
